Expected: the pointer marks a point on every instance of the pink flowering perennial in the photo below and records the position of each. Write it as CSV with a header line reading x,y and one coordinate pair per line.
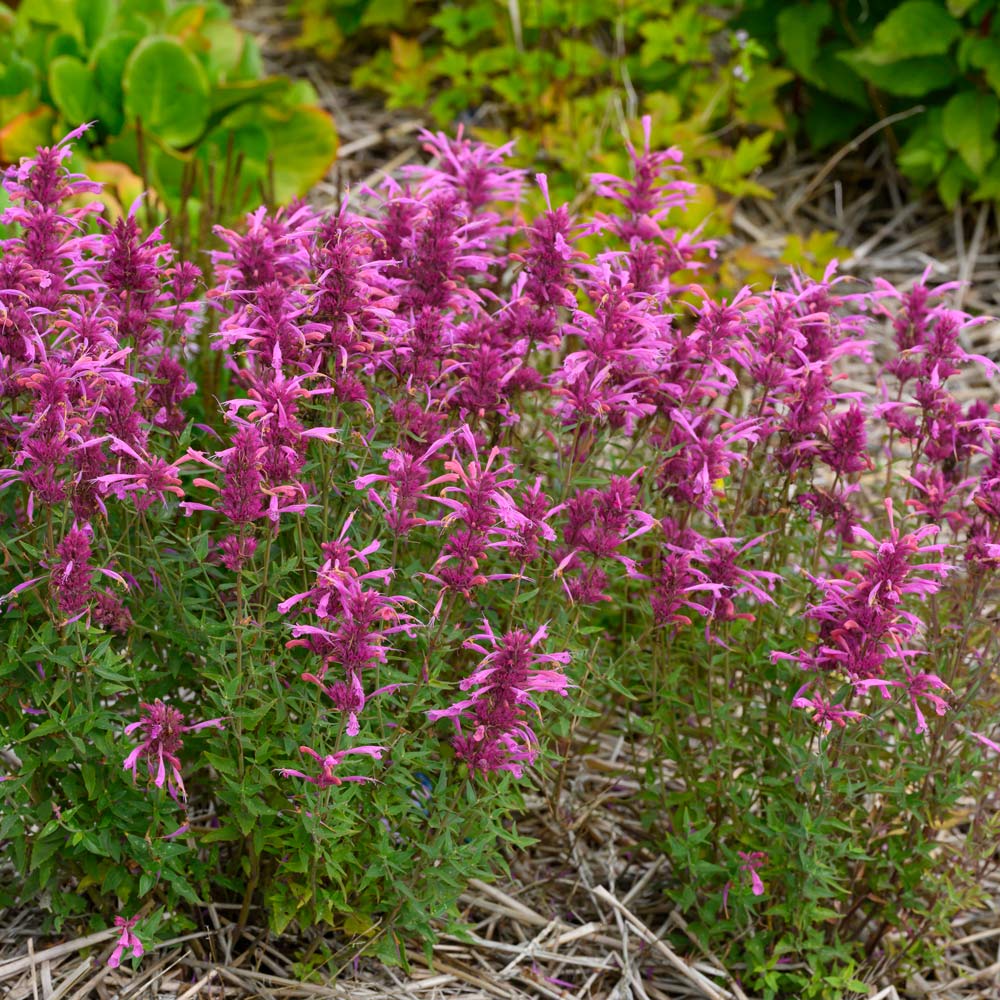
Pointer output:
x,y
491,730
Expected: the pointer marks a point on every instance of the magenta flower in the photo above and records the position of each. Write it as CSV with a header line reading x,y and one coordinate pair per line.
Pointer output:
x,y
916,685
326,778
162,728
127,939
986,741
496,736
408,481
824,713
751,862
70,577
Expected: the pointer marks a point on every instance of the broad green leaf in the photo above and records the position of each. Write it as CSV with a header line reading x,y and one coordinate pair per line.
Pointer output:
x,y
229,96
58,13
18,76
959,7
73,90
95,17
799,30
225,48
311,134
166,88
968,126
108,64
907,78
914,28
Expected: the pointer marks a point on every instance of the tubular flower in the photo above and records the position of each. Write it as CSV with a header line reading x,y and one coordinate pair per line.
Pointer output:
x,y
162,733
496,736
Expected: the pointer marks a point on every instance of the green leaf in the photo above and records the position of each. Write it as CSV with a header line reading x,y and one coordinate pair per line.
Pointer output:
x,y
951,182
799,30
73,90
166,88
906,78
108,64
984,54
228,96
914,28
959,7
225,49
57,13
925,154
95,17
310,133
968,126
18,77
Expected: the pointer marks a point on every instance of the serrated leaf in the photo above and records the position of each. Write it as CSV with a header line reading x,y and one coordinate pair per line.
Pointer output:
x,y
915,28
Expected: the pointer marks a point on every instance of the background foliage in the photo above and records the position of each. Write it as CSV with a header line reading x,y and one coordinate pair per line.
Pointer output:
x,y
726,82
179,98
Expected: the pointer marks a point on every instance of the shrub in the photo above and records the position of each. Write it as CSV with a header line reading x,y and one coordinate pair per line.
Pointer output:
x,y
467,473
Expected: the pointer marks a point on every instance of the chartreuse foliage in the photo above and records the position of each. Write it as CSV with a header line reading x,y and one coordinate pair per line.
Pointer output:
x,y
561,76
178,96
475,487
725,82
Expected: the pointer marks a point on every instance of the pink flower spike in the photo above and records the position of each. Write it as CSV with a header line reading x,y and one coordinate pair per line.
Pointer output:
x,y
326,778
163,730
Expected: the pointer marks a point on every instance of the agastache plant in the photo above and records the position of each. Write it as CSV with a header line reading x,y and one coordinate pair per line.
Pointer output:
x,y
473,491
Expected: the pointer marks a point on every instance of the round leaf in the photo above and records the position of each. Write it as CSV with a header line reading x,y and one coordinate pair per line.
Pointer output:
x,y
303,144
166,88
73,90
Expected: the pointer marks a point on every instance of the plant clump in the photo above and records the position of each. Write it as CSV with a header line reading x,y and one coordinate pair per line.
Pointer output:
x,y
468,489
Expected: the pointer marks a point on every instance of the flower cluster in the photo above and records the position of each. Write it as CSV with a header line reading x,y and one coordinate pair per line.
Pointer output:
x,y
496,735
162,732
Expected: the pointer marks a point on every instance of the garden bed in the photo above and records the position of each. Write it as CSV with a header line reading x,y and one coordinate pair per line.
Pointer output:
x,y
584,912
